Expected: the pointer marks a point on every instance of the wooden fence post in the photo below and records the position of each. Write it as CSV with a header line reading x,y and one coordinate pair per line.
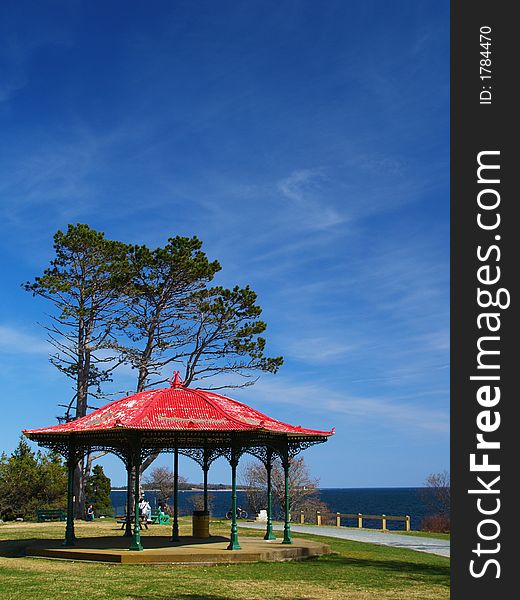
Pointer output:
x,y
318,517
407,522
302,517
360,521
338,520
383,522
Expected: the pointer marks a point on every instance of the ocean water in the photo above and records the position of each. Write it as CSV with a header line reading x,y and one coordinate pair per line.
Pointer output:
x,y
374,501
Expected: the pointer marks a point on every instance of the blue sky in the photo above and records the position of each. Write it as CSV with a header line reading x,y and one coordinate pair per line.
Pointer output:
x,y
306,144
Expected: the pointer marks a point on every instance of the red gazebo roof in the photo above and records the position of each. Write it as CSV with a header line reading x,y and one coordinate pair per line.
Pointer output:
x,y
176,408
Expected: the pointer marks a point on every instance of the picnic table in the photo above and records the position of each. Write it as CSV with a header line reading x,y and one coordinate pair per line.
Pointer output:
x,y
142,521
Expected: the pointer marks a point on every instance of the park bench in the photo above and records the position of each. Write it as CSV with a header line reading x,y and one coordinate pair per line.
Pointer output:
x,y
51,514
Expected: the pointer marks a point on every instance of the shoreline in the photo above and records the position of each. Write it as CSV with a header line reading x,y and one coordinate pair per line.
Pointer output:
x,y
123,489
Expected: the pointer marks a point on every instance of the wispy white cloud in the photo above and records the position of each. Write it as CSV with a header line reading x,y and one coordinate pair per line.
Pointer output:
x,y
317,350
300,184
390,412
17,50
306,188
8,88
13,59
437,340
414,372
14,340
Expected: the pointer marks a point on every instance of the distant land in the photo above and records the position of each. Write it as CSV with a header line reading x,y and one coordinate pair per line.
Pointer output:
x,y
190,487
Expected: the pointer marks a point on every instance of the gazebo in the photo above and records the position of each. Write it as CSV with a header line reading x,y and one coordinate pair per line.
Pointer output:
x,y
199,424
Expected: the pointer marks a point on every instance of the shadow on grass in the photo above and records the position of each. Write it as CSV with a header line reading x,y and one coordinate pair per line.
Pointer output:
x,y
412,570
197,596
16,548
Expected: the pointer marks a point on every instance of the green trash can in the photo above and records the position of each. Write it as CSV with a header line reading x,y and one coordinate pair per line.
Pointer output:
x,y
200,524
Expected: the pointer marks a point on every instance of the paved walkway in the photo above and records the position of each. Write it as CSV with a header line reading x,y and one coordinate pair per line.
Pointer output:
x,y
422,544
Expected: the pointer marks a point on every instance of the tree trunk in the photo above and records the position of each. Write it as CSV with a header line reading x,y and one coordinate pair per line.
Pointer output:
x,y
141,383
80,476
148,461
79,490
90,459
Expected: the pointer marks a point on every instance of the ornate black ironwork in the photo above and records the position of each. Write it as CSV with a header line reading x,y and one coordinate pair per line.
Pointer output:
x,y
263,453
233,453
203,456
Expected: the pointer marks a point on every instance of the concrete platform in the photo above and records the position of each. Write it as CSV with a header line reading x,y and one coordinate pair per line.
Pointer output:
x,y
187,551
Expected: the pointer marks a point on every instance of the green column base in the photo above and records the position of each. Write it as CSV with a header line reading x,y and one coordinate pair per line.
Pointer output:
x,y
175,532
136,543
287,536
70,536
69,542
234,545
269,535
136,546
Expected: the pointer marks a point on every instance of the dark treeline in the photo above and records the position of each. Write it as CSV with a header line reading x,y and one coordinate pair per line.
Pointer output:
x,y
31,481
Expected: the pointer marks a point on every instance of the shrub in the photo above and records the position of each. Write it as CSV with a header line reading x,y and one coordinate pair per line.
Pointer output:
x,y
196,502
303,488
310,506
30,481
436,524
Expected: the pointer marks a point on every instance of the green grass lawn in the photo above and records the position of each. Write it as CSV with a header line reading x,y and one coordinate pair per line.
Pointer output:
x,y
356,571
437,536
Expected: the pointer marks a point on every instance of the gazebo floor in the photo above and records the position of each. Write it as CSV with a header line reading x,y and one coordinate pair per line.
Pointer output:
x,y
188,550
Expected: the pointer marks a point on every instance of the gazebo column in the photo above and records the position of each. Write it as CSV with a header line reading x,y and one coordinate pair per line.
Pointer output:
x,y
136,542
205,469
269,535
287,525
72,461
233,544
128,522
175,527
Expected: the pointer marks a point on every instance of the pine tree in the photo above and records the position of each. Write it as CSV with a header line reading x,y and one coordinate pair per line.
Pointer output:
x,y
98,492
174,317
84,282
162,281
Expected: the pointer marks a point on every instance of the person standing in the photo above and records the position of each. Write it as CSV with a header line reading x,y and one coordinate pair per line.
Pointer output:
x,y
147,511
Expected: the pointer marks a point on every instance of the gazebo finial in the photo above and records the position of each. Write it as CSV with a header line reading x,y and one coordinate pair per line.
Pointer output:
x,y
176,381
